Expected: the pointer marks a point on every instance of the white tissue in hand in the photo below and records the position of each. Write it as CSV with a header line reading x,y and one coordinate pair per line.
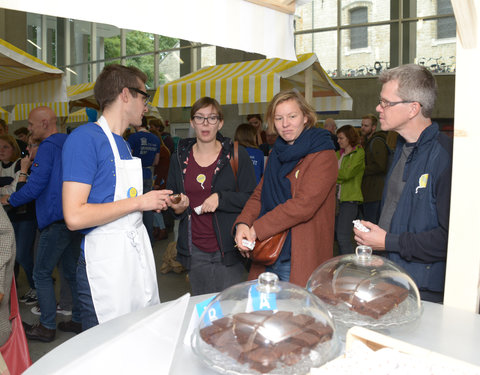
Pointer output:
x,y
357,224
198,210
248,244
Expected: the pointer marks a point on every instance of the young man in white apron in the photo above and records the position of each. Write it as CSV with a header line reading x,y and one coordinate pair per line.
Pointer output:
x,y
102,197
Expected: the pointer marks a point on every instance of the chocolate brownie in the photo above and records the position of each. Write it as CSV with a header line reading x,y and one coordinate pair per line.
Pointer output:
x,y
383,297
266,340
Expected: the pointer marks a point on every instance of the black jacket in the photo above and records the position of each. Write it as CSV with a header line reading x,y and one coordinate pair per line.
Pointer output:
x,y
230,203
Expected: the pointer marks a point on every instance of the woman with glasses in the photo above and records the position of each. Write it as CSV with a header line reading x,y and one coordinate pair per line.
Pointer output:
x,y
296,193
211,198
351,165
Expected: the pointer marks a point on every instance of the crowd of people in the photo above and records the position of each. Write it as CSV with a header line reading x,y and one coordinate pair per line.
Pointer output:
x,y
102,195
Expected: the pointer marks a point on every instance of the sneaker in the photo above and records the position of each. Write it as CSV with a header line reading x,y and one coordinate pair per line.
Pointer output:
x,y
29,298
40,333
63,312
70,326
36,310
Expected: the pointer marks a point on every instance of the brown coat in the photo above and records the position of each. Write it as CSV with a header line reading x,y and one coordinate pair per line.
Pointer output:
x,y
310,214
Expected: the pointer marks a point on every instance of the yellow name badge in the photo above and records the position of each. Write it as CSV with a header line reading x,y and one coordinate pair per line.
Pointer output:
x,y
422,182
132,192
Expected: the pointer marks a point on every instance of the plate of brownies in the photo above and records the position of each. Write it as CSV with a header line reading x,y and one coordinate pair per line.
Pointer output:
x,y
265,326
366,290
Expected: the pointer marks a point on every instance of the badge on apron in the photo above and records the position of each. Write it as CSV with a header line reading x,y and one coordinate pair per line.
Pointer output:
x,y
132,192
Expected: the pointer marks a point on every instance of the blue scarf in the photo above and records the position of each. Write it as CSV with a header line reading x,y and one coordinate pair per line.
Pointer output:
x,y
281,161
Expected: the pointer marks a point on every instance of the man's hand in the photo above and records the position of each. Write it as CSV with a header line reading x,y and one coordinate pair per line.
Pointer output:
x,y
210,204
4,199
25,164
375,238
181,206
155,200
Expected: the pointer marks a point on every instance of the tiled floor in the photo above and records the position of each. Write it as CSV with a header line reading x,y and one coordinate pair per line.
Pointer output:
x,y
171,286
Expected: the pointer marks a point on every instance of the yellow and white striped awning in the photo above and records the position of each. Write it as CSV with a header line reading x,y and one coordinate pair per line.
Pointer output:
x,y
21,111
26,79
252,84
78,116
4,115
80,91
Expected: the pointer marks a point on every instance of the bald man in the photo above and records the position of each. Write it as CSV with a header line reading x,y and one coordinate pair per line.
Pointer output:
x,y
56,243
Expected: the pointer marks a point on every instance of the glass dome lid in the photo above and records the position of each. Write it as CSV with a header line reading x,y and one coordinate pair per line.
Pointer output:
x,y
366,290
265,326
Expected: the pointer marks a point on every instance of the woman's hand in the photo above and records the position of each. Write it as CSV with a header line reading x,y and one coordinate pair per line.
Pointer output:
x,y
210,204
181,206
243,232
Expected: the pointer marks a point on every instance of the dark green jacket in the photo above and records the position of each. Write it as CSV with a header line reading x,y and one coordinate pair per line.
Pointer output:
x,y
376,167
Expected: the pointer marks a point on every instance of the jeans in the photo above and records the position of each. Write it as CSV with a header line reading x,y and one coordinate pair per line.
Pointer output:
x,y
158,221
208,274
56,244
344,227
148,215
371,211
25,233
281,269
88,314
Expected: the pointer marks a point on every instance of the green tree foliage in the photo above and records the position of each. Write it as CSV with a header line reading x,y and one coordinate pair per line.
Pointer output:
x,y
139,43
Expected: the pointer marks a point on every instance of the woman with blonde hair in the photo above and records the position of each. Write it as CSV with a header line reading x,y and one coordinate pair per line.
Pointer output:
x,y
296,194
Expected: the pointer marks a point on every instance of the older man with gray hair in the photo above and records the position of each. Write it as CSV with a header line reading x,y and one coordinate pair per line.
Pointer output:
x,y
413,226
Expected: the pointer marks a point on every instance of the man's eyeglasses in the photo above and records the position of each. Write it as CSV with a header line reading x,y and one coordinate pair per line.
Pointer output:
x,y
212,119
385,103
145,95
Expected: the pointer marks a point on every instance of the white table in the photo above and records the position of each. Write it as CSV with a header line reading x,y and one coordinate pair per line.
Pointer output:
x,y
445,330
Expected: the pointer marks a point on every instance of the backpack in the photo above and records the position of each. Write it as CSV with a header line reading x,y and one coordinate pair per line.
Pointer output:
x,y
389,150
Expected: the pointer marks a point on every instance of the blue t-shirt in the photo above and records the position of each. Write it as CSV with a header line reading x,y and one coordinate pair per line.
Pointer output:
x,y
145,146
88,158
258,159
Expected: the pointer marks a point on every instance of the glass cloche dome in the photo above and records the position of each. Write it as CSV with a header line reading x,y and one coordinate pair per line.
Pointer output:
x,y
366,290
265,326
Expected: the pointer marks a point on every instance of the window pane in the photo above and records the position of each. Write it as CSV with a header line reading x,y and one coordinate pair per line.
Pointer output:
x,y
34,35
324,45
358,35
366,61
316,14
446,27
169,66
438,55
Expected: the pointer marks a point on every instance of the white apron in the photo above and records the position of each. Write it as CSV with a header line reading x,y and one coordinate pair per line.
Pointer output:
x,y
120,264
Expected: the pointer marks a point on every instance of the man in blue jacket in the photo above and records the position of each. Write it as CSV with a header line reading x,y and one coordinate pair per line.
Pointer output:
x,y
413,226
56,243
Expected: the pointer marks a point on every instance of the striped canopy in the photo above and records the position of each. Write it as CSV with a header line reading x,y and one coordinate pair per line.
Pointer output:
x,y
26,79
21,111
252,84
78,116
4,114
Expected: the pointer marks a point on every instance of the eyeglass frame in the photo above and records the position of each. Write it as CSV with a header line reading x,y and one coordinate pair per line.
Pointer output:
x,y
145,95
194,118
392,104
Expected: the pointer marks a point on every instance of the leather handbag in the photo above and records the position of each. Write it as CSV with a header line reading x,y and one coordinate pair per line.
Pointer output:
x,y
266,252
15,350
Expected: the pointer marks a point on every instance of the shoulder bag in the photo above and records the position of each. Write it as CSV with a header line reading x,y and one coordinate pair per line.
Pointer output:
x,y
15,350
